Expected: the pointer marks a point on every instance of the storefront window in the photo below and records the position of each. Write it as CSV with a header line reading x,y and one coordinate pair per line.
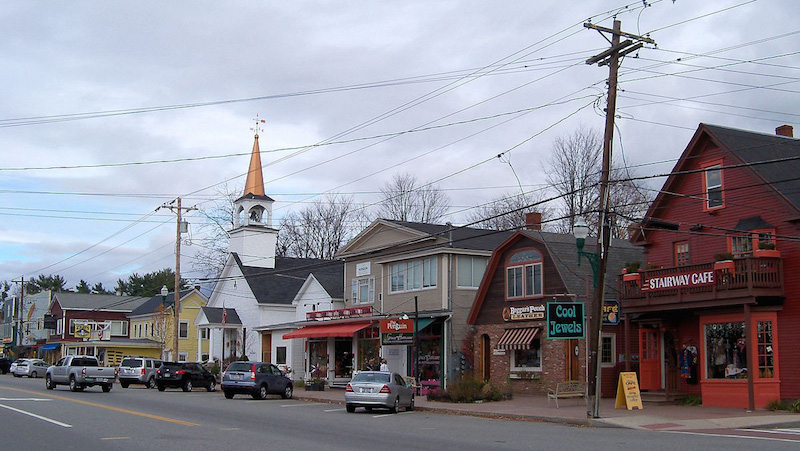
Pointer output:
x,y
369,347
766,365
726,351
430,351
318,358
528,359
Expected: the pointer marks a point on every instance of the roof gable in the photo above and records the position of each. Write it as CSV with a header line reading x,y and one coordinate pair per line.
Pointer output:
x,y
281,284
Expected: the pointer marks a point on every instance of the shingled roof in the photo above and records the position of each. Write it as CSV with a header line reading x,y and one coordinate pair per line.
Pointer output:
x,y
104,302
281,284
150,305
463,237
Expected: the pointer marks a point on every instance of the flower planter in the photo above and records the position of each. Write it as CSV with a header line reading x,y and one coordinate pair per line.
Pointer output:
x,y
725,265
766,253
633,277
315,386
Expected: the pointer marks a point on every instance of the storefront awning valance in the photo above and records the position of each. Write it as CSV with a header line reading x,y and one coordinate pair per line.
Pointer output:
x,y
425,322
51,346
518,338
328,330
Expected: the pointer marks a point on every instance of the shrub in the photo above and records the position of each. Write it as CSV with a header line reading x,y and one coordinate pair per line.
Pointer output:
x,y
776,404
692,400
723,256
794,407
766,245
632,267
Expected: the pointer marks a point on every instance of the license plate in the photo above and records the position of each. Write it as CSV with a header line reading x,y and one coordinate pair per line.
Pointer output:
x,y
366,390
101,379
236,377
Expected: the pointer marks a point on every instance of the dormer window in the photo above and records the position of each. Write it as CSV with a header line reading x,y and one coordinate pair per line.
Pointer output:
x,y
524,274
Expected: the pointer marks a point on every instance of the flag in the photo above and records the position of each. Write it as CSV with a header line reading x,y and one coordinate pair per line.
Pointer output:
x,y
224,315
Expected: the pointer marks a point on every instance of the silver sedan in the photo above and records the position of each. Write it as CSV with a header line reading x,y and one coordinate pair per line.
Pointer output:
x,y
380,389
31,368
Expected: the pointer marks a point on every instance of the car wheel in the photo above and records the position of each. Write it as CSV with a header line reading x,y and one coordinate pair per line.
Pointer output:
x,y
410,406
73,385
212,386
287,392
160,387
368,409
125,384
396,405
187,385
106,388
32,374
350,408
228,394
17,375
151,383
48,383
261,393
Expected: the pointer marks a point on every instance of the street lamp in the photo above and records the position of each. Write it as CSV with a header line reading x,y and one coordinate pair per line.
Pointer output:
x,y
164,293
581,231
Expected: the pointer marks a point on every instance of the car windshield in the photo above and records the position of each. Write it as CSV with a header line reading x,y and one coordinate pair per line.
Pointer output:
x,y
382,378
132,363
241,366
172,365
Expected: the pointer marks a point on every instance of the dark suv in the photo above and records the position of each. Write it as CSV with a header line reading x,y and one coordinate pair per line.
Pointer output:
x,y
184,375
257,379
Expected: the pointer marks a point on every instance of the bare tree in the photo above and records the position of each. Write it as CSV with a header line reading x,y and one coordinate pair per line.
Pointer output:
x,y
320,229
404,200
507,212
574,172
214,234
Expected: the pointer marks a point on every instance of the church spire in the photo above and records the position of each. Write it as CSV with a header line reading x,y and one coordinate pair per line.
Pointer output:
x,y
255,179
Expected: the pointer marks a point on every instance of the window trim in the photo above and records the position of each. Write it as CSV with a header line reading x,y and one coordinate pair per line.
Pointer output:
x,y
355,287
705,167
534,369
613,362
180,323
472,259
403,272
675,253
524,265
753,237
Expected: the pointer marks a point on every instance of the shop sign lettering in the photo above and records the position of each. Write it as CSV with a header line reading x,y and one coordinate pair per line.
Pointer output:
x,y
397,331
363,269
351,312
526,313
692,279
610,312
565,320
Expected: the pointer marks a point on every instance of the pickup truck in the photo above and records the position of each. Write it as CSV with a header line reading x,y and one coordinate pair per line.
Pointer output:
x,y
79,372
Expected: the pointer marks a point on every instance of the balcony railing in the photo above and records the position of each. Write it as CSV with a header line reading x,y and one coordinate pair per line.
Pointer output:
x,y
742,277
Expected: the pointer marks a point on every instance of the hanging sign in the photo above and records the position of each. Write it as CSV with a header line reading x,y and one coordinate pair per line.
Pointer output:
x,y
565,320
526,313
83,330
397,331
610,312
628,393
685,280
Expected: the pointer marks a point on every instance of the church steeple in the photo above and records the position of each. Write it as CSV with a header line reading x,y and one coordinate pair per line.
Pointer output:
x,y
252,236
255,178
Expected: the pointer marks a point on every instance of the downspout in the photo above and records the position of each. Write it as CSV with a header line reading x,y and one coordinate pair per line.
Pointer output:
x,y
449,320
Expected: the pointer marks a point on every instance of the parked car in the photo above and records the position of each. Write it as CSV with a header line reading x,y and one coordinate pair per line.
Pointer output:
x,y
370,389
31,368
184,375
257,379
5,365
14,364
138,370
80,372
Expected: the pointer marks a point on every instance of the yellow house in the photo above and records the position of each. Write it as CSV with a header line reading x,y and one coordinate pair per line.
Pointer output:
x,y
154,320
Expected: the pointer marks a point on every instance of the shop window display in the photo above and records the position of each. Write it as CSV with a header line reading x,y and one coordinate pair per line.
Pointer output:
x,y
343,357
430,351
369,347
318,358
528,359
726,351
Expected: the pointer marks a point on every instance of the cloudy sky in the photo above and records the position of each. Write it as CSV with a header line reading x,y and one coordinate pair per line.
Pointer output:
x,y
109,109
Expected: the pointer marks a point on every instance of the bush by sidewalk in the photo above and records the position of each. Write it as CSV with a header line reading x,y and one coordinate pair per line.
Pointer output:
x,y
787,405
468,388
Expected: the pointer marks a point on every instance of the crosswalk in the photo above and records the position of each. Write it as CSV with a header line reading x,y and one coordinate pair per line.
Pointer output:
x,y
791,435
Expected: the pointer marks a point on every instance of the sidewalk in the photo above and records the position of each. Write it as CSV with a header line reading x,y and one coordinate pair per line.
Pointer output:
x,y
662,417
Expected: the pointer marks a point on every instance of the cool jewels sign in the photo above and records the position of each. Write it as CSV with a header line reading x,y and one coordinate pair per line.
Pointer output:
x,y
690,279
565,320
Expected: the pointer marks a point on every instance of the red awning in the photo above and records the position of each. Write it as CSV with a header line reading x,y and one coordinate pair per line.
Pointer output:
x,y
328,330
517,338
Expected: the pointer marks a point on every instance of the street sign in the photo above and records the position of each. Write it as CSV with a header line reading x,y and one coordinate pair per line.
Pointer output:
x,y
83,330
565,320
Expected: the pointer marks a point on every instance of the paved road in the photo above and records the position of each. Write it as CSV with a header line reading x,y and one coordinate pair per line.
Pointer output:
x,y
136,418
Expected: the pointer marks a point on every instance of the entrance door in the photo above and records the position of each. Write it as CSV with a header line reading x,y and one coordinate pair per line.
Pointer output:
x,y
266,347
486,356
649,360
571,353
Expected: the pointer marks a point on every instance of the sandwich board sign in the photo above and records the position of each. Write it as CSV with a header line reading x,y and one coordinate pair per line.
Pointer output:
x,y
628,393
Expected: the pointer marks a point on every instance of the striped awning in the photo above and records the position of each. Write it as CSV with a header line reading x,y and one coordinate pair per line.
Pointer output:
x,y
518,338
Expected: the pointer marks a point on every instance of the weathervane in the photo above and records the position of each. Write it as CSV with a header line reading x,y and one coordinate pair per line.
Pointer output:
x,y
257,128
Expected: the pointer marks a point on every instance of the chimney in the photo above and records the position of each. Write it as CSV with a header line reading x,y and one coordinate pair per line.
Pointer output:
x,y
785,130
533,220
197,287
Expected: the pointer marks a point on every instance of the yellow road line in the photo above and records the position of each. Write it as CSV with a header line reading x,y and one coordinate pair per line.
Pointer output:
x,y
103,406
115,438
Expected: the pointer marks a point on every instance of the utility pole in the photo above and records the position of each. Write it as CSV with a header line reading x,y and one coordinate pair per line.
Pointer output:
x,y
19,305
611,57
182,226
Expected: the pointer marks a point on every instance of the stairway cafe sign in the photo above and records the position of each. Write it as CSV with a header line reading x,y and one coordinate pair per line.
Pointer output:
x,y
685,280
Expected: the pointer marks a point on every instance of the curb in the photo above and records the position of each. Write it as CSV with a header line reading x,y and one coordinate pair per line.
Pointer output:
x,y
579,422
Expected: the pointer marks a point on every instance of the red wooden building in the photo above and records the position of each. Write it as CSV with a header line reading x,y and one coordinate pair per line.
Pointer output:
x,y
717,311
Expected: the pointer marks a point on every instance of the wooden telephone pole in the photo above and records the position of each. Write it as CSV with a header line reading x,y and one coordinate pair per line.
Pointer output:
x,y
610,57
176,306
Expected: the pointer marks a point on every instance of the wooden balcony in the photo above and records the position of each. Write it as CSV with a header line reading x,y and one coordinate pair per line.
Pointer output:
x,y
745,280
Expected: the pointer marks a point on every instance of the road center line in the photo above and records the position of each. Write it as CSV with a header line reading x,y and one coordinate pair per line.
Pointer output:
x,y
390,414
112,408
25,399
115,438
49,420
333,410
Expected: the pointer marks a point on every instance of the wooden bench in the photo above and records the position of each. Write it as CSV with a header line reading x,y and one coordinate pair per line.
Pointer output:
x,y
564,390
411,382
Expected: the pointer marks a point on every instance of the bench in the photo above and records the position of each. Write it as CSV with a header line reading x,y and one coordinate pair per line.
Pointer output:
x,y
565,390
411,383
